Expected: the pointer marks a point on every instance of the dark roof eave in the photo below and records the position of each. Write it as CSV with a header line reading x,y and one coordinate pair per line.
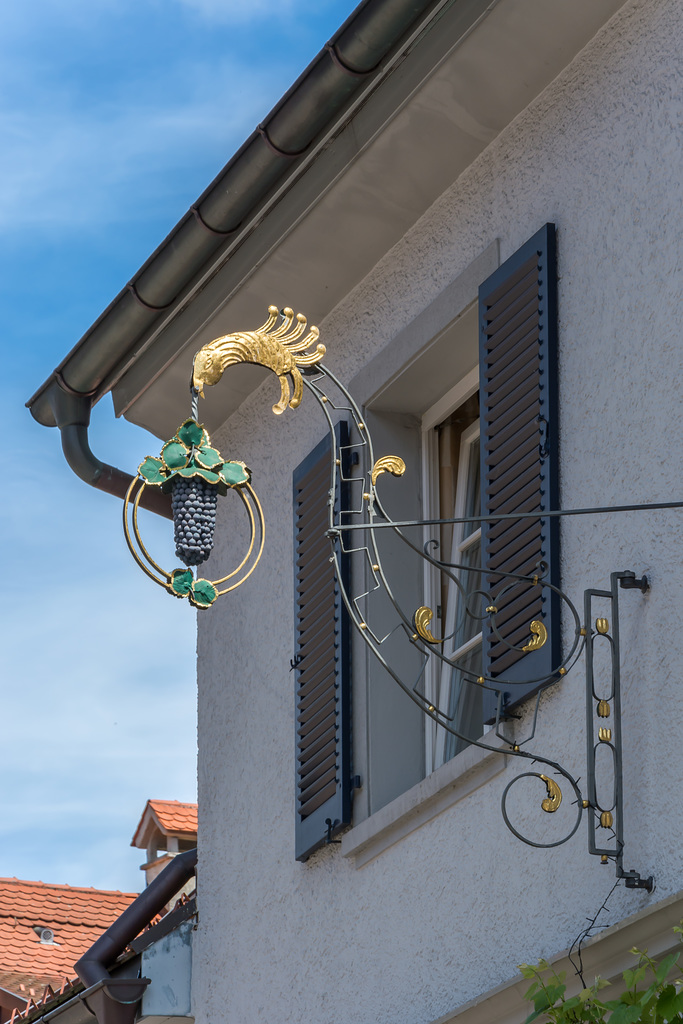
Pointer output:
x,y
347,64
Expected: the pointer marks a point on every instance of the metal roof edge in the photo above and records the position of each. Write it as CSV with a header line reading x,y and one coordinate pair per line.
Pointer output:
x,y
349,63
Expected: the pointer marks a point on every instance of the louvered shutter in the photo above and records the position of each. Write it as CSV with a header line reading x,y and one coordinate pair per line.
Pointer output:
x,y
323,736
519,458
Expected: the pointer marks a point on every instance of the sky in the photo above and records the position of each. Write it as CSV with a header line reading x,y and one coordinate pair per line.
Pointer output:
x,y
114,116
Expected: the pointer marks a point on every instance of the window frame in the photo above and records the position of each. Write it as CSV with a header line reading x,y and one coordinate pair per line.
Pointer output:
x,y
455,397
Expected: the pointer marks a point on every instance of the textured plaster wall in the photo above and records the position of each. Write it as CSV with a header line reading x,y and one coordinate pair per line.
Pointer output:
x,y
449,911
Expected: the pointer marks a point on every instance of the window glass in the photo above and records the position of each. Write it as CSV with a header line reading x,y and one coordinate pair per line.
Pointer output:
x,y
459,496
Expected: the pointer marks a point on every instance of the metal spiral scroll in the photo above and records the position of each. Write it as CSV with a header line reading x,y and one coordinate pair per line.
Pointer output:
x,y
550,803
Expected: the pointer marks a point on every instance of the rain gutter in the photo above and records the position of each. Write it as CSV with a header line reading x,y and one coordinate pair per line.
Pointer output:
x,y
281,147
115,1000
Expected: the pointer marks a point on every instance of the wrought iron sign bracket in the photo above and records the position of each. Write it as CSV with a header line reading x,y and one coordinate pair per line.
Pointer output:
x,y
196,473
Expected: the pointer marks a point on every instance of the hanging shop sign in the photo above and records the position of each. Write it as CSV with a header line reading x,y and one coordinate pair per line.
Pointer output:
x,y
197,476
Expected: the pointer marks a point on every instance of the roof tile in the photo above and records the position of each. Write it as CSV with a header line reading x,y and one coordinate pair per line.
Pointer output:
x,y
77,916
174,816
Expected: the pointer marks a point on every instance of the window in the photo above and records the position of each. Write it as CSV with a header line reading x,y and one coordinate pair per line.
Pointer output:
x,y
489,443
452,458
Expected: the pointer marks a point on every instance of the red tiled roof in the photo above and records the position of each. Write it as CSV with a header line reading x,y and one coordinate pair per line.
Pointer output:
x,y
171,816
76,916
174,816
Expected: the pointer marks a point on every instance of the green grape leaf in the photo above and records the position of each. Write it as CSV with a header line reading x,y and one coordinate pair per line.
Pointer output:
x,y
182,582
208,458
235,473
626,1015
175,455
670,1003
192,434
207,474
665,966
203,594
152,470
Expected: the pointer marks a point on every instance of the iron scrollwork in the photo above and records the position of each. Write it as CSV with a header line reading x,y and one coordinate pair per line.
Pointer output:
x,y
287,350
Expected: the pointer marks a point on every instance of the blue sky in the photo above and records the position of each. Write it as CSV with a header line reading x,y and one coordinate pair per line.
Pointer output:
x,y
114,116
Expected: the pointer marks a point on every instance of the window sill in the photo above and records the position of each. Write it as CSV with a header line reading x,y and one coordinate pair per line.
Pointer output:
x,y
442,789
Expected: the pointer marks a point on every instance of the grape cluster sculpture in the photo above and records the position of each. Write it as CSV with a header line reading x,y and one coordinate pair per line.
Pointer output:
x,y
195,473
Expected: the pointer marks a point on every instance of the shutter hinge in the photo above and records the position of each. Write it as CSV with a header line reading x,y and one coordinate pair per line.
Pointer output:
x,y
329,841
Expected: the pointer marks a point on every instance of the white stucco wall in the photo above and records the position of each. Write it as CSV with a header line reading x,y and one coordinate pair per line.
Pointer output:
x,y
450,910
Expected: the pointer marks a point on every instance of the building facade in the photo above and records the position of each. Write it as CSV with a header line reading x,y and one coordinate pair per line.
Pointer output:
x,y
490,133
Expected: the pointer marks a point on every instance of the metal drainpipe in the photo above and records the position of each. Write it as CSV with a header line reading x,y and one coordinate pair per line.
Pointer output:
x,y
115,1000
72,414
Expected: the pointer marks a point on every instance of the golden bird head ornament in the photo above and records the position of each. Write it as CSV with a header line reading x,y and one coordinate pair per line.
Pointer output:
x,y
207,369
278,347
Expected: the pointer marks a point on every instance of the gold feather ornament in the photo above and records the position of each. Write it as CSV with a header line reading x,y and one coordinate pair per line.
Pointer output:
x,y
281,349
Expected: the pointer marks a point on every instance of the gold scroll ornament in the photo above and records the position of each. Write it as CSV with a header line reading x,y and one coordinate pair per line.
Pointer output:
x,y
554,797
421,619
393,464
276,348
538,638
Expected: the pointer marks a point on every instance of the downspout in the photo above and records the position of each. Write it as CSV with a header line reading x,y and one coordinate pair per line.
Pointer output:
x,y
115,1000
71,410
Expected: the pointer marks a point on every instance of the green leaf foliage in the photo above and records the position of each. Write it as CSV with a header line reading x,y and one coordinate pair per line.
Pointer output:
x,y
208,475
152,470
235,473
189,453
192,434
652,994
182,582
175,455
665,966
208,458
203,594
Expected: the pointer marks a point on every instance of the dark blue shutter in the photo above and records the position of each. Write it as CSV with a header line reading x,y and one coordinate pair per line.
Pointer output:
x,y
323,724
519,458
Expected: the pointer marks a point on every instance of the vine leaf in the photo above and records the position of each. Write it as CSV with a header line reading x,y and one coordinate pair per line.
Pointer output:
x,y
152,470
182,582
175,454
203,594
192,434
235,473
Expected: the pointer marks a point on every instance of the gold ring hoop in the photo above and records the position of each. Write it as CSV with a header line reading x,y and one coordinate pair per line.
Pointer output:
x,y
180,582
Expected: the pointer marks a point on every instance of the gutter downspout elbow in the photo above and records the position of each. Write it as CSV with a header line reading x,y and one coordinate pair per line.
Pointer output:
x,y
71,411
115,1000
93,965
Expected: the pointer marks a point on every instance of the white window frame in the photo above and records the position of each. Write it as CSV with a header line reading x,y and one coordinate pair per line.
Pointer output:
x,y
435,675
